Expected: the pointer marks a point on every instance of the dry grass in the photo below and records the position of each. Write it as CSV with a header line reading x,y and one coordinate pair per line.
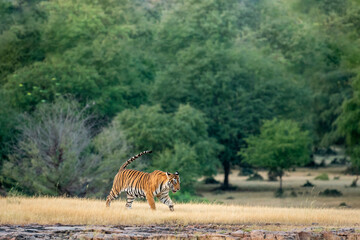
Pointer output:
x,y
42,210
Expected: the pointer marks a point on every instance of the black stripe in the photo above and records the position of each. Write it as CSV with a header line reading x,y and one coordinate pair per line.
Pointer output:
x,y
134,178
130,174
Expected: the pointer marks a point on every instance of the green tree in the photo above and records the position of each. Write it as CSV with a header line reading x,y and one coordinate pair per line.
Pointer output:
x,y
20,36
179,141
99,58
348,126
280,146
316,40
8,133
333,28
234,83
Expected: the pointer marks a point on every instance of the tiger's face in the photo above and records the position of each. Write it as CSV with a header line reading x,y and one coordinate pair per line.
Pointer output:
x,y
173,181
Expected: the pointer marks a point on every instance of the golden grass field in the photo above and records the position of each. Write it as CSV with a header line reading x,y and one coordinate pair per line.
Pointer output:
x,y
252,203
47,210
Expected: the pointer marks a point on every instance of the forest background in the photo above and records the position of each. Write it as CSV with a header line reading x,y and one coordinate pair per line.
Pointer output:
x,y
207,85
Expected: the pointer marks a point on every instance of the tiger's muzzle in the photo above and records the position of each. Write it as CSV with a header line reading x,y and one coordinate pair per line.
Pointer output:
x,y
175,190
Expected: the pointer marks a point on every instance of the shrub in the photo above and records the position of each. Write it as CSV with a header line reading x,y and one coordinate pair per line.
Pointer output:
x,y
255,177
245,171
111,147
343,204
210,180
308,184
330,193
323,177
179,141
293,193
52,155
312,164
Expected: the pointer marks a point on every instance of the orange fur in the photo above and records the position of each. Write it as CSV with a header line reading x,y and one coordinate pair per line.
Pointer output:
x,y
146,185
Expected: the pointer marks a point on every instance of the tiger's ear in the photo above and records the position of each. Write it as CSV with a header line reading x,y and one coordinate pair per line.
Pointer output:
x,y
176,173
168,174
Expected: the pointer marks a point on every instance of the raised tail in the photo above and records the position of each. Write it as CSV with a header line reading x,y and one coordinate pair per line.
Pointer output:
x,y
132,159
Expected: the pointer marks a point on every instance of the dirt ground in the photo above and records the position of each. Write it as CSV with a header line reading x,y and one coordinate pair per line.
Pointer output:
x,y
261,193
175,232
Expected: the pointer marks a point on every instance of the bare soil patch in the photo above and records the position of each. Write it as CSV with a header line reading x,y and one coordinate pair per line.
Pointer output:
x,y
261,193
198,231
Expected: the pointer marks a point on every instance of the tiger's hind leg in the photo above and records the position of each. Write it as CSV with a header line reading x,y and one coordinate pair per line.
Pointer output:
x,y
129,200
112,195
116,189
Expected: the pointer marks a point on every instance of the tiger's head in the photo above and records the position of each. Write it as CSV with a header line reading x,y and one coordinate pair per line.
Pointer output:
x,y
173,181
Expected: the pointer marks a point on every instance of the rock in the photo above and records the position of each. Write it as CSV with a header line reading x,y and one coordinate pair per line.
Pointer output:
x,y
238,233
257,235
172,232
330,236
270,235
290,236
304,235
353,236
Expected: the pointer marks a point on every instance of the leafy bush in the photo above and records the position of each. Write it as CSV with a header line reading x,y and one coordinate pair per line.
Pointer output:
x,y
343,204
331,193
293,193
246,171
211,180
112,149
179,141
255,177
322,177
308,184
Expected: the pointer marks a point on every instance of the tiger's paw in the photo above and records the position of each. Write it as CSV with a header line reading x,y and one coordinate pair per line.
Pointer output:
x,y
171,208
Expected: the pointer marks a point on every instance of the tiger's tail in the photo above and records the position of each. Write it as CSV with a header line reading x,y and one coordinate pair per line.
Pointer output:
x,y
130,160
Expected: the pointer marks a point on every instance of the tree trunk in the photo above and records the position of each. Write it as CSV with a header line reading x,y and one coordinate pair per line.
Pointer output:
x,y
280,183
354,183
226,165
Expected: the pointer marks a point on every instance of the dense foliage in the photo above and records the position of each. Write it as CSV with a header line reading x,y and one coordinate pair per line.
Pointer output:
x,y
189,79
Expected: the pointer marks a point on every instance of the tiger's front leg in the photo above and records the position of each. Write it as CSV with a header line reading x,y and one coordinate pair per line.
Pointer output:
x,y
151,201
129,200
165,199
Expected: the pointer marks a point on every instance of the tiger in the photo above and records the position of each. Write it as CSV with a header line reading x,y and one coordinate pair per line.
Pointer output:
x,y
139,184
